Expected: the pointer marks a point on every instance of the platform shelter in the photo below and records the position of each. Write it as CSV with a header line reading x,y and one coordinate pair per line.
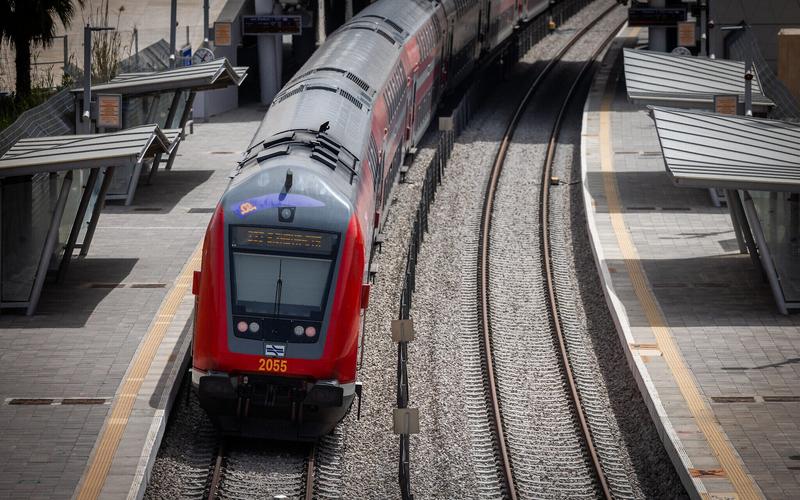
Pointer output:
x,y
659,79
751,164
757,162
164,98
52,190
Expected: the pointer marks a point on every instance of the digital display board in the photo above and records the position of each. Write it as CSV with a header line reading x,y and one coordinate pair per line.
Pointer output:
x,y
283,240
272,25
655,16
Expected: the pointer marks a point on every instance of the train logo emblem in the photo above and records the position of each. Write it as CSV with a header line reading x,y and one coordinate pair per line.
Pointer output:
x,y
247,207
275,350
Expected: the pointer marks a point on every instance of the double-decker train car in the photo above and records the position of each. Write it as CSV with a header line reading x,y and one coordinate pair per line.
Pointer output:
x,y
285,262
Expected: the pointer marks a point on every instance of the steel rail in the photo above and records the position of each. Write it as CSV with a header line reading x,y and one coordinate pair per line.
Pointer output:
x,y
310,472
548,265
216,473
483,259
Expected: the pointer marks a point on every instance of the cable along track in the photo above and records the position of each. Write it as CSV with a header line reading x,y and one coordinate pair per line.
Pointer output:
x,y
493,390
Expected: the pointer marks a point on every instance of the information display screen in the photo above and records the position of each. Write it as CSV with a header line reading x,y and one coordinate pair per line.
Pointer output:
x,y
272,25
283,240
654,16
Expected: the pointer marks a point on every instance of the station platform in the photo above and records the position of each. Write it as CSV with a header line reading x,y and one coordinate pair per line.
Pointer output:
x,y
717,364
86,382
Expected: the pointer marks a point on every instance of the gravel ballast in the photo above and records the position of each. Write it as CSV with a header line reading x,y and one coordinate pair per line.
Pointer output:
x,y
453,456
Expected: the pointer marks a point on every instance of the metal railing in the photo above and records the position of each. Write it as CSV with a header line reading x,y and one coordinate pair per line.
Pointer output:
x,y
450,127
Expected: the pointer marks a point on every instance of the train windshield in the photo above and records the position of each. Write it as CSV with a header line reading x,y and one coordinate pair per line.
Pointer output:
x,y
281,273
275,285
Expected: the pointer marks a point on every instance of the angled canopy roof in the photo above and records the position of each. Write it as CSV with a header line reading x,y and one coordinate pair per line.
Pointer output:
x,y
657,77
211,75
736,152
51,154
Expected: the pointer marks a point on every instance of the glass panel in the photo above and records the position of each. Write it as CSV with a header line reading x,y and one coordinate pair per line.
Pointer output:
x,y
79,179
179,111
256,281
279,285
780,220
28,205
303,290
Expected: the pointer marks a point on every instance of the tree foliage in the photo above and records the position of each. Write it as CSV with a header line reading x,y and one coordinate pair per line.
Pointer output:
x,y
24,23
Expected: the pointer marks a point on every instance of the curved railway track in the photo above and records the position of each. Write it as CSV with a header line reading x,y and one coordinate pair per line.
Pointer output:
x,y
495,403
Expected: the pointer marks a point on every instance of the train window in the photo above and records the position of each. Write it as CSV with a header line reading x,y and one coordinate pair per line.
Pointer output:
x,y
280,286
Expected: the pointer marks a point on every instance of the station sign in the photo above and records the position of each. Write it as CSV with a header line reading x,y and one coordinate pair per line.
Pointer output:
x,y
726,104
109,111
656,16
272,25
686,34
222,34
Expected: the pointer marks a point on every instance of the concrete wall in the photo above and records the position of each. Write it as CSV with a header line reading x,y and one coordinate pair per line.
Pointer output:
x,y
766,17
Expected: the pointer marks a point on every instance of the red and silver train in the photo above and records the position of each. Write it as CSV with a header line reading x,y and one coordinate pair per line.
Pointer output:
x,y
284,276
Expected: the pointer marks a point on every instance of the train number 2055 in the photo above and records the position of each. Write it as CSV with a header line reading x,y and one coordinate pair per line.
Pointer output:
x,y
272,365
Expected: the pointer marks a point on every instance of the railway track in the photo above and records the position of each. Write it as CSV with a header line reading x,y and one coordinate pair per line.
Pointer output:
x,y
243,474
505,460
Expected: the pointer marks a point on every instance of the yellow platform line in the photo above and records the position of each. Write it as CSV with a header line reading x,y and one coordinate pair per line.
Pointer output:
x,y
111,435
702,413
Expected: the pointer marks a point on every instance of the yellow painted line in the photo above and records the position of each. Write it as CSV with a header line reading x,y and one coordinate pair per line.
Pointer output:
x,y
117,421
704,417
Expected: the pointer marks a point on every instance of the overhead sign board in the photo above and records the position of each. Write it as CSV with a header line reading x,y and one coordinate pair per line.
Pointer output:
x,y
686,34
726,104
109,111
656,16
222,34
272,25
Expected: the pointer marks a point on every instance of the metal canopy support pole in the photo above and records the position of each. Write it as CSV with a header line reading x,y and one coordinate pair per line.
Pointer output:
x,y
321,31
738,210
66,53
763,252
348,10
205,21
184,118
737,228
173,26
86,116
704,28
137,172
173,108
748,83
99,204
49,244
76,226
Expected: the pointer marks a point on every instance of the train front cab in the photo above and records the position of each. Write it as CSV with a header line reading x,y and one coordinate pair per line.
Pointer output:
x,y
278,311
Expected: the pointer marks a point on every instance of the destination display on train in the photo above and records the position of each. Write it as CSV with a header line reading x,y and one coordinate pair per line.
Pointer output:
x,y
285,240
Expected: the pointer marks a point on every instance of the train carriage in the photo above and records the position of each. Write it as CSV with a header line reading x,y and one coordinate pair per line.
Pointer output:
x,y
284,276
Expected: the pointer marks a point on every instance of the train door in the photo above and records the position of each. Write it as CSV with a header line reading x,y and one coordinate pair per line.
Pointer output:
x,y
412,108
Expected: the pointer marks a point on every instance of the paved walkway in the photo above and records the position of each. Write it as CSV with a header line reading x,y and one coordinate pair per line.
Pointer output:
x,y
717,364
78,349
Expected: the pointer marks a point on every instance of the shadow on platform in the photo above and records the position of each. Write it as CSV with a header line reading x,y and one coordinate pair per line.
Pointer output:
x,y
70,304
166,191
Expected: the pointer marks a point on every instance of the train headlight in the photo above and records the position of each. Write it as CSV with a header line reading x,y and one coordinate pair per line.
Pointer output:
x,y
310,331
254,327
298,330
241,326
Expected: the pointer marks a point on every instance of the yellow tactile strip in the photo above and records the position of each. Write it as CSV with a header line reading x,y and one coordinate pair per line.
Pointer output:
x,y
95,475
701,412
